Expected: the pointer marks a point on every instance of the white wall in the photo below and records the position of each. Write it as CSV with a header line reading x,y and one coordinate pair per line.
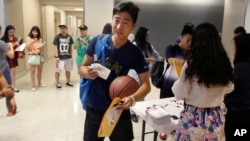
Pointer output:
x,y
97,14
234,13
247,17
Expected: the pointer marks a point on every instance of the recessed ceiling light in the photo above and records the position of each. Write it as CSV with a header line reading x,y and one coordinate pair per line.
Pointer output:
x,y
78,9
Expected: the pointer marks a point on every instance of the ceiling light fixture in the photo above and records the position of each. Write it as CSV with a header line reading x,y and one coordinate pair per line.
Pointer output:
x,y
78,9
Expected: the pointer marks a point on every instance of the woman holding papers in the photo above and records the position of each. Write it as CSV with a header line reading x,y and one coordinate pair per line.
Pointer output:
x,y
6,50
205,79
34,45
9,37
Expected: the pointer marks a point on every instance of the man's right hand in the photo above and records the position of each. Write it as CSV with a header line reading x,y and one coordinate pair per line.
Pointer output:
x,y
8,92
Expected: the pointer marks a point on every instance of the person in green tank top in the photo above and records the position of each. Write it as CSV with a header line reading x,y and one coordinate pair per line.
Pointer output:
x,y
81,43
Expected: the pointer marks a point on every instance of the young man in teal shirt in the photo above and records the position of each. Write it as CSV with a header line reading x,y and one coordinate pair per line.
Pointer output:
x,y
81,43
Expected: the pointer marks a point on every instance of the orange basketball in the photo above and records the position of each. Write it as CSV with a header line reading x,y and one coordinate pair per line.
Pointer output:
x,y
123,86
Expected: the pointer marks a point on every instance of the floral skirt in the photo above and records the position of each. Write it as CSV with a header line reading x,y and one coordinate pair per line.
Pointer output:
x,y
200,124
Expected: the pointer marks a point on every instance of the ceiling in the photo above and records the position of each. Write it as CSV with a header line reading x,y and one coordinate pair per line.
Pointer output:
x,y
66,5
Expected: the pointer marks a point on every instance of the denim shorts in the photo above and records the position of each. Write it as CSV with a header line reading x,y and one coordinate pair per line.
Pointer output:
x,y
7,75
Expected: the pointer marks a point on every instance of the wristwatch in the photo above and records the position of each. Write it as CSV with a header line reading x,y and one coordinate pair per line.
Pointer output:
x,y
133,100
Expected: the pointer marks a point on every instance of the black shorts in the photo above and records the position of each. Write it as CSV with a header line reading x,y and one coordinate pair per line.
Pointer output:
x,y
123,130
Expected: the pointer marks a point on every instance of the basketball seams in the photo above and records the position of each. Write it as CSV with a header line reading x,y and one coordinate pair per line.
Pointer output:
x,y
122,86
131,81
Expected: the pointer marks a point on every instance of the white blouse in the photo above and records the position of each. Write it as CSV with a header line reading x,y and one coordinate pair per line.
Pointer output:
x,y
199,95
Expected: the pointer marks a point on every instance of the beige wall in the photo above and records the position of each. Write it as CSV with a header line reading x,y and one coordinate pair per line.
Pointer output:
x,y
25,16
234,13
31,10
16,19
97,14
50,28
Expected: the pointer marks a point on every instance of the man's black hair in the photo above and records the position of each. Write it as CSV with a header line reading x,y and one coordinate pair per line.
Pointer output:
x,y
129,7
240,30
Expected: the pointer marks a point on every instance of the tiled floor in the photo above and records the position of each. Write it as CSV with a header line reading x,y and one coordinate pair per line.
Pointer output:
x,y
49,114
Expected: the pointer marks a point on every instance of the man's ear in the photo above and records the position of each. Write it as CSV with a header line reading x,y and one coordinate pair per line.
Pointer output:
x,y
134,25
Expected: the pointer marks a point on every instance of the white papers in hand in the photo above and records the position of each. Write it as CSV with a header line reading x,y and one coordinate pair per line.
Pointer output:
x,y
41,45
21,47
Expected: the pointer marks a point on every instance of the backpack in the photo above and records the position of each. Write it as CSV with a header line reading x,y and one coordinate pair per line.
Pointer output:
x,y
158,72
85,84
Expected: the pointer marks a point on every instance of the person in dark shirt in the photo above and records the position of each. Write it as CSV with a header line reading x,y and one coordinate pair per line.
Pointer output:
x,y
238,101
121,56
63,54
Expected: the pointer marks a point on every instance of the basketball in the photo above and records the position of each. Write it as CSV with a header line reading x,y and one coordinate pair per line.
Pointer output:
x,y
123,86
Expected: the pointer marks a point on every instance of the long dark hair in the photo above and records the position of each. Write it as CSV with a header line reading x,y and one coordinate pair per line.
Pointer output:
x,y
35,28
140,39
5,35
208,60
107,29
242,44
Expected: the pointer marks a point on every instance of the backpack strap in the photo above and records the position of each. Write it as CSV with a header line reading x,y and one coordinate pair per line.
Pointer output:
x,y
100,46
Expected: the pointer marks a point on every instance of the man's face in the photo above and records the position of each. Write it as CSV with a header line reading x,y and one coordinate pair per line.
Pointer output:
x,y
83,32
63,30
0,31
122,25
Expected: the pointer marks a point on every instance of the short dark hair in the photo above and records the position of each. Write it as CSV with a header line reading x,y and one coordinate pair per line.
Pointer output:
x,y
190,24
83,27
129,7
240,30
242,43
187,30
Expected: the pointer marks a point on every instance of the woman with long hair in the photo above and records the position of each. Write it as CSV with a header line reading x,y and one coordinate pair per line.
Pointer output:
x,y
33,43
6,50
142,41
238,102
205,79
107,29
9,37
